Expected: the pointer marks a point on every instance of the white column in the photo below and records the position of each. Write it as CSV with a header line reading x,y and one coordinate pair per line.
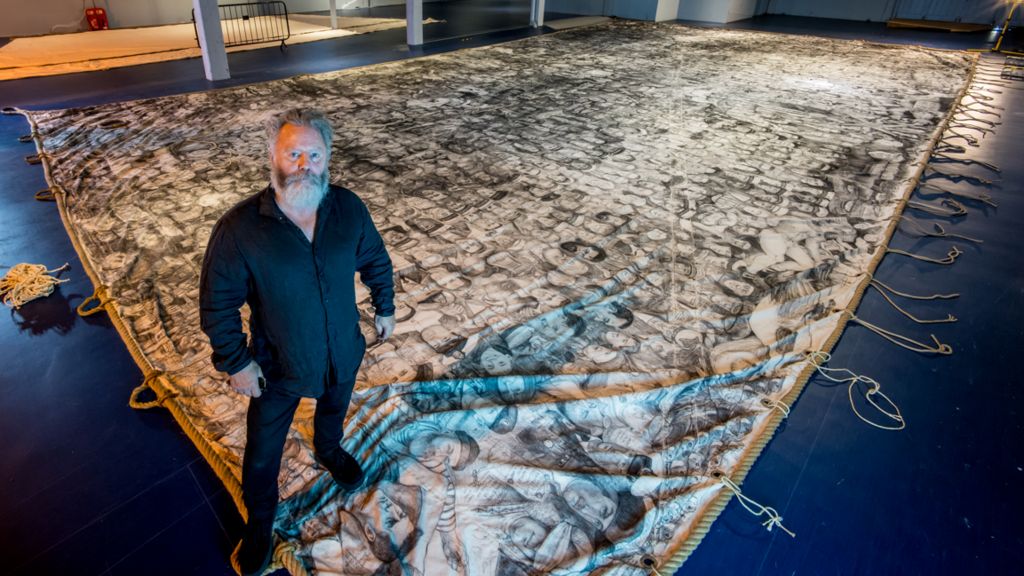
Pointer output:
x,y
334,14
414,22
536,13
211,39
716,10
667,10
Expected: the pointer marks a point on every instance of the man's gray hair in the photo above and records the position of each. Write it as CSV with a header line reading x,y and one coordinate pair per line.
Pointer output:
x,y
310,117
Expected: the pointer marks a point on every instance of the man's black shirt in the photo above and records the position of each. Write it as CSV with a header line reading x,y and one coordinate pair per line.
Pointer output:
x,y
301,294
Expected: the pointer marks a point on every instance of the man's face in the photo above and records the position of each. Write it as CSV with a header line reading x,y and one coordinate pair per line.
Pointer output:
x,y
298,165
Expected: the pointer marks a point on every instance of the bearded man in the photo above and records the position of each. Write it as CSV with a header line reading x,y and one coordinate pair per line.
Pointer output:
x,y
291,252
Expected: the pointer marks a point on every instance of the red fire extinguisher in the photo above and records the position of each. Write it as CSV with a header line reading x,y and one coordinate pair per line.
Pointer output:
x,y
97,18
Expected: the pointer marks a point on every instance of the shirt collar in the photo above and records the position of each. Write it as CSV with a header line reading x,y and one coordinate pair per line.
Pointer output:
x,y
268,206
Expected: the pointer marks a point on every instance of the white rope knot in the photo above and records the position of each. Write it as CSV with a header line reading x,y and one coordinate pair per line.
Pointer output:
x,y
774,404
819,357
774,519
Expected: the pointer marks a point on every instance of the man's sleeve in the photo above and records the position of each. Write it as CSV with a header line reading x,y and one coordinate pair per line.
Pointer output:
x,y
374,266
223,287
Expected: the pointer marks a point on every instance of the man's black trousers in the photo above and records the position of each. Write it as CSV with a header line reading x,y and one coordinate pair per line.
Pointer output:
x,y
267,424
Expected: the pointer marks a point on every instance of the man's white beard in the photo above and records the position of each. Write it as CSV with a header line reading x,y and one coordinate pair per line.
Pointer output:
x,y
303,190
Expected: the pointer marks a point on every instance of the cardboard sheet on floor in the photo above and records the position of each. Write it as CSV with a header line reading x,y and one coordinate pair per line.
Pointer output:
x,y
614,247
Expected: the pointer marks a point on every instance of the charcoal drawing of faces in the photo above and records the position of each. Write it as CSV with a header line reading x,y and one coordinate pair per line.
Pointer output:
x,y
593,503
560,324
516,389
496,359
444,341
614,316
434,449
619,341
358,542
526,534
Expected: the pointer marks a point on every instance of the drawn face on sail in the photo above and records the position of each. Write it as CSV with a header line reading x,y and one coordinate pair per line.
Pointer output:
x,y
494,361
738,287
527,533
512,387
615,316
391,512
431,450
618,340
299,166
591,502
356,545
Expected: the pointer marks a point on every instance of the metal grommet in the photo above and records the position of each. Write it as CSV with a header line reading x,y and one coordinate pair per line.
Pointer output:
x,y
648,560
717,474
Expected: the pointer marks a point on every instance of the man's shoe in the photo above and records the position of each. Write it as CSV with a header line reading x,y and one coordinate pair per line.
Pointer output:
x,y
255,550
345,470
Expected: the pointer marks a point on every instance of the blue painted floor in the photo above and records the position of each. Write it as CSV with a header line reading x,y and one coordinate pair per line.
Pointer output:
x,y
90,486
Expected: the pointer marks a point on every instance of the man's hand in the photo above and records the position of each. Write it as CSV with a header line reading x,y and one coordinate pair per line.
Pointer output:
x,y
385,327
247,381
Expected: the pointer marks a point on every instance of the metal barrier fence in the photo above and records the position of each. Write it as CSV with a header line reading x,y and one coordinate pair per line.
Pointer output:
x,y
252,23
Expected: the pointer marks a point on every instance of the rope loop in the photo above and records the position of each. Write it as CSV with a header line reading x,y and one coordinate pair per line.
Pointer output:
x,y
9,110
892,290
100,297
47,194
774,519
845,376
34,158
939,231
774,404
945,157
950,258
26,138
955,177
147,384
905,341
948,208
980,196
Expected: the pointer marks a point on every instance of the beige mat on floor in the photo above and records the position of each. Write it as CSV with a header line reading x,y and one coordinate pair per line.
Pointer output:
x,y
566,23
103,49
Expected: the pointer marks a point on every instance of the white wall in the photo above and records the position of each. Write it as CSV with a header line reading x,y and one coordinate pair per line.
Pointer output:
x,y
632,9
981,11
716,10
582,7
